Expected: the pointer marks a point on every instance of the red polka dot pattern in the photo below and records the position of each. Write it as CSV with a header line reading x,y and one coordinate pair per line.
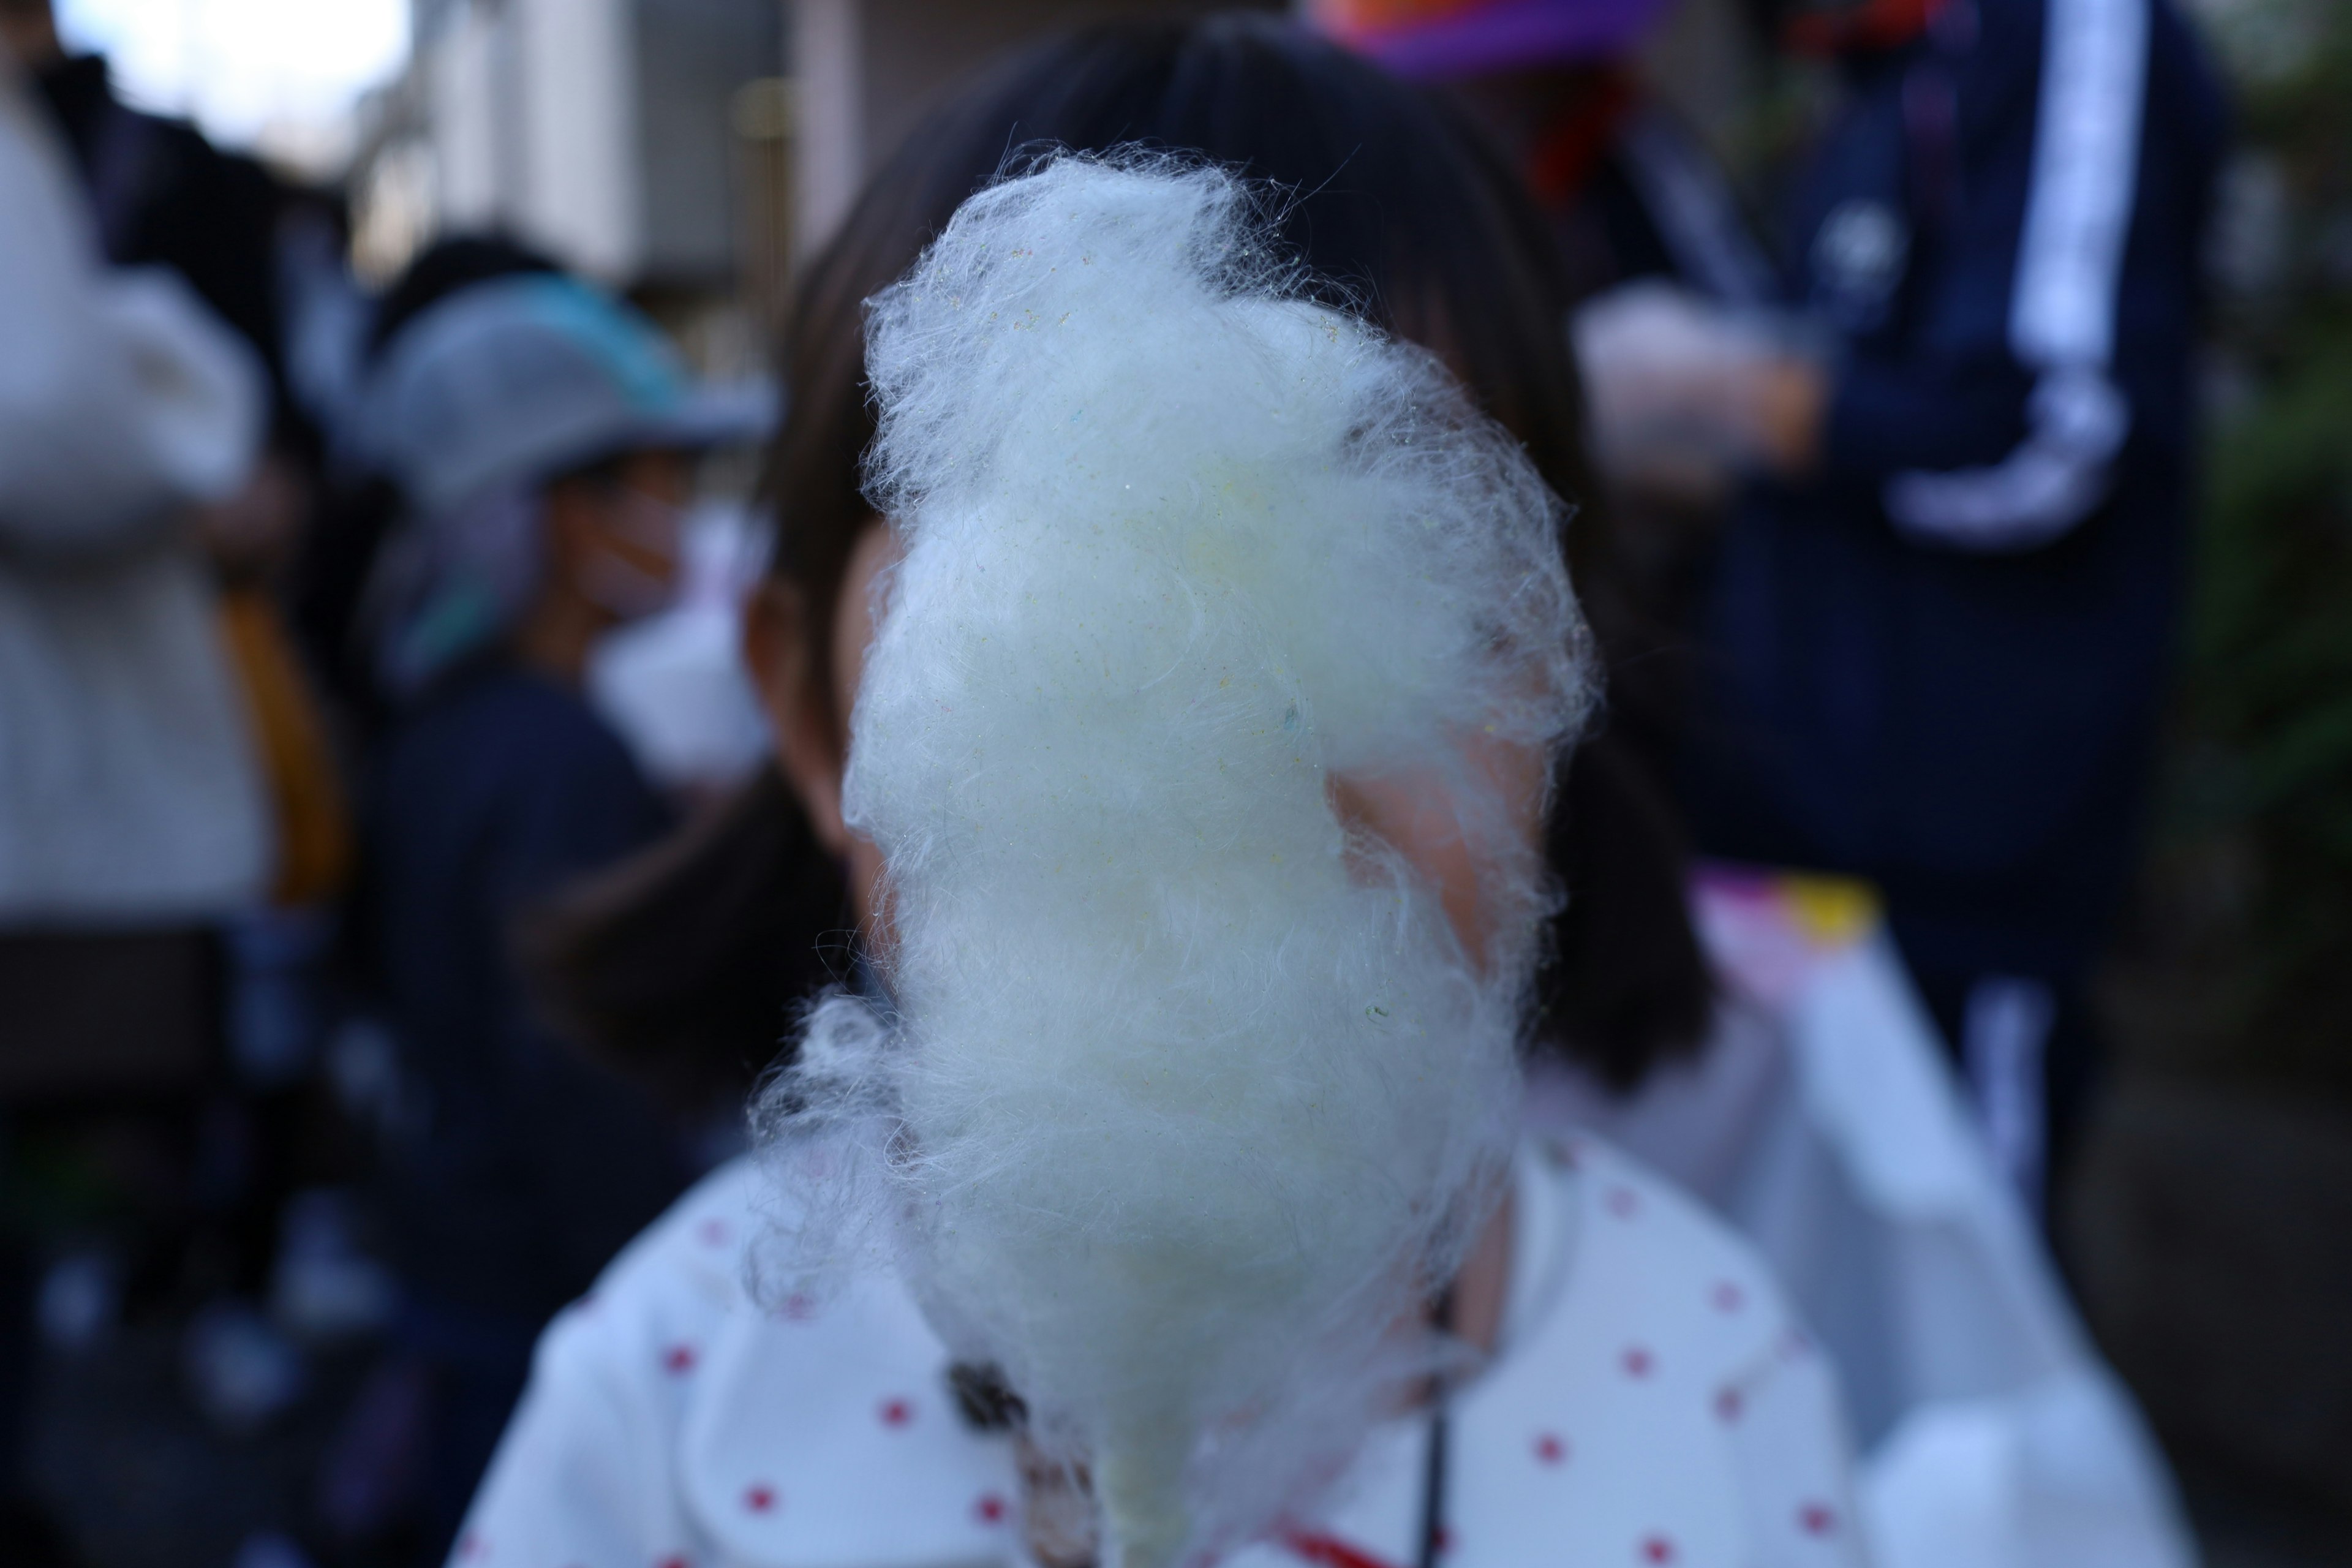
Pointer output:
x,y
1330,1551
1689,1373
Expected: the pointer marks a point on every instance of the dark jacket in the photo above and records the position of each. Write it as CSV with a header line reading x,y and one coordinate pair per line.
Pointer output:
x,y
520,1168
1939,663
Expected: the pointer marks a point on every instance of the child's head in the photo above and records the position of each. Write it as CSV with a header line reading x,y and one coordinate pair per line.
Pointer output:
x,y
1399,205
1409,219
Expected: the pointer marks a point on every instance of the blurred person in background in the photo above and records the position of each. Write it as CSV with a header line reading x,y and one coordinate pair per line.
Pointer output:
x,y
678,698
162,196
1940,624
539,435
133,818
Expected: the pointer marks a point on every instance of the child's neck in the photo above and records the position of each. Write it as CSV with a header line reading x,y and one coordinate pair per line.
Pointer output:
x,y
1483,1285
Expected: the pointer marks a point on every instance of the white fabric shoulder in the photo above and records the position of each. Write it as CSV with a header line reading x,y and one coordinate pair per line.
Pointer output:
x,y
586,1471
1823,1122
1652,1403
1667,1389
674,1422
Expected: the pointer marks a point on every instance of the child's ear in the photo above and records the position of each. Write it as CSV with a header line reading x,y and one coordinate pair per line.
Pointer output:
x,y
775,656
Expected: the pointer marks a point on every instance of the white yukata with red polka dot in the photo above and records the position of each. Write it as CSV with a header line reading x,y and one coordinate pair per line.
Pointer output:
x,y
1650,1402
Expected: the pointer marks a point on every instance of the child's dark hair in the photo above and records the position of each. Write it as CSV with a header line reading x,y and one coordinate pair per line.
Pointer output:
x,y
1401,206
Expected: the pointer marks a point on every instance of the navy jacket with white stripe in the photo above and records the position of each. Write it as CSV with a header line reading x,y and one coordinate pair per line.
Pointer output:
x,y
1939,661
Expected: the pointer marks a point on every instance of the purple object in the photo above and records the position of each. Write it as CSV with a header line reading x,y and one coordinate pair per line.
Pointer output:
x,y
1472,38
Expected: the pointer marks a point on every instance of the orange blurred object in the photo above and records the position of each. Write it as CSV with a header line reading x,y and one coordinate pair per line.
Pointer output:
x,y
310,813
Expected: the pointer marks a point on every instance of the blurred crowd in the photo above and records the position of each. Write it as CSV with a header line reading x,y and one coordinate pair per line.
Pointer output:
x,y
310,683
398,897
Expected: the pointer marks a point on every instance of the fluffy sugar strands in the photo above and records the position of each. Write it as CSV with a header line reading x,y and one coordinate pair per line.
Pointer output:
x,y
1186,1094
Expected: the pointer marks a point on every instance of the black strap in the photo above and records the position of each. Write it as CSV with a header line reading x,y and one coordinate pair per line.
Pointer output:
x,y
1433,1493
1433,1476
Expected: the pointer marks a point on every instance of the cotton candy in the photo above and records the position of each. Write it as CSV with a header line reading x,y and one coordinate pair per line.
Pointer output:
x,y
1181,1095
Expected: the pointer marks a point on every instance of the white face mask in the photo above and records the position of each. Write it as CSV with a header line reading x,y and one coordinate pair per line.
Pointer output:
x,y
673,687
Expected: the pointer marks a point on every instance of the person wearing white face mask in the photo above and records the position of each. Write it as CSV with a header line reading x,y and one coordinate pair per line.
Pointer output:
x,y
537,431
540,436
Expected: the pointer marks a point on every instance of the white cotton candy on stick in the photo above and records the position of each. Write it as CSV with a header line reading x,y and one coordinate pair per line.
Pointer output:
x,y
1187,1096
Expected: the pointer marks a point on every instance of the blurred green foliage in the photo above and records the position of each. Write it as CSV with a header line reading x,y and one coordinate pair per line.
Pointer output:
x,y
2263,771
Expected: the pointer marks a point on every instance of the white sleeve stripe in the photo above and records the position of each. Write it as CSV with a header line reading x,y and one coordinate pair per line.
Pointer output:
x,y
2050,481
2036,493
2086,167
2062,318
